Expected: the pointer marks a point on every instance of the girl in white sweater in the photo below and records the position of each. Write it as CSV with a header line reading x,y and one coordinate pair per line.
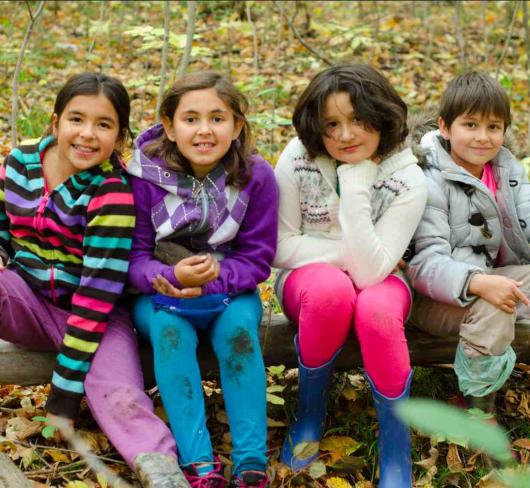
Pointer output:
x,y
350,199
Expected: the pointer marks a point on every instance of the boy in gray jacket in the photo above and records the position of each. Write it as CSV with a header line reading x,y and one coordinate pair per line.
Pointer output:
x,y
471,262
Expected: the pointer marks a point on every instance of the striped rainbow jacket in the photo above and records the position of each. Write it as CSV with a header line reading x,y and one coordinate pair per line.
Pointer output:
x,y
71,244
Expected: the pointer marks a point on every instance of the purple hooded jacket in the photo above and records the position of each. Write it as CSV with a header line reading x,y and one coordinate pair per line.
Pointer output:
x,y
240,226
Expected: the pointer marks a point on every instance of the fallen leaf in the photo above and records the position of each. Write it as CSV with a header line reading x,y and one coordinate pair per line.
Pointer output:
x,y
429,462
337,482
454,463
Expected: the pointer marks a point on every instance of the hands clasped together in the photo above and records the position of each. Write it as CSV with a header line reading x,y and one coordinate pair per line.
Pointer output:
x,y
192,273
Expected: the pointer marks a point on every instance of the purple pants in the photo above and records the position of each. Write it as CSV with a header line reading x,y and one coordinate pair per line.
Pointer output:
x,y
114,385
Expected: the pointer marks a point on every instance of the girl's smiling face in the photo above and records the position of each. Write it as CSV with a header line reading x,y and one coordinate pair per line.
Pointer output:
x,y
203,128
87,132
346,138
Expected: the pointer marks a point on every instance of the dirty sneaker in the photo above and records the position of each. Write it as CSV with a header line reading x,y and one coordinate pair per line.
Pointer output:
x,y
156,470
256,479
213,479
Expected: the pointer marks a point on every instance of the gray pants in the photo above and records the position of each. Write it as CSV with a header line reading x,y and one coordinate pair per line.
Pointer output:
x,y
483,328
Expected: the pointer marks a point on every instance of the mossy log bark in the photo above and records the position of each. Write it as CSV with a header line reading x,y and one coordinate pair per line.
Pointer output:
x,y
22,367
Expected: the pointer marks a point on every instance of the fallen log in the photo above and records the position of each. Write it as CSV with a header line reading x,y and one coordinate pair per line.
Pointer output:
x,y
22,367
10,475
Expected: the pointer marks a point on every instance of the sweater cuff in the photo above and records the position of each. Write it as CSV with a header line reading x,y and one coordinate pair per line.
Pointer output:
x,y
363,173
169,275
63,404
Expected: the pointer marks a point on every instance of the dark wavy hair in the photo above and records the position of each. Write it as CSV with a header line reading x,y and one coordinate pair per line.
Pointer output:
x,y
93,84
237,160
475,93
376,103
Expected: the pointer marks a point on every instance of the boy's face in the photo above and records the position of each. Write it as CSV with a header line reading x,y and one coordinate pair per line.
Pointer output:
x,y
475,139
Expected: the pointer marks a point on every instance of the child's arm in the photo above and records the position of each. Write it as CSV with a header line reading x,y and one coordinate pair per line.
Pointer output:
x,y
374,250
249,260
144,266
106,250
296,249
5,236
432,269
500,291
521,195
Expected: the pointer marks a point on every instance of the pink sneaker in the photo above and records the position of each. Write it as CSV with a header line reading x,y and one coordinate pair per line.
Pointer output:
x,y
255,479
213,479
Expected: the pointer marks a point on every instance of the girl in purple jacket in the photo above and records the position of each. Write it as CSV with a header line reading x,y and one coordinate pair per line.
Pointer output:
x,y
197,185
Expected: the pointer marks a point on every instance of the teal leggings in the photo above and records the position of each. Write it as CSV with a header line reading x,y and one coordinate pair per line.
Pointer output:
x,y
234,337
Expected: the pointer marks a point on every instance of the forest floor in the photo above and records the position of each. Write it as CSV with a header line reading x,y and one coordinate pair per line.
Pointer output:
x,y
420,46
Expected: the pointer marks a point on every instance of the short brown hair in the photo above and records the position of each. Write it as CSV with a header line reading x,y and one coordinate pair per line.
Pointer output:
x,y
236,160
374,100
474,93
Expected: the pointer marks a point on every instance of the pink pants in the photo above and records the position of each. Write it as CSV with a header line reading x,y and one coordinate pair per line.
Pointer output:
x,y
324,302
114,385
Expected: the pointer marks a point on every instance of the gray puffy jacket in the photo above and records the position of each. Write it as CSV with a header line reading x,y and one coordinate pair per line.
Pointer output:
x,y
463,229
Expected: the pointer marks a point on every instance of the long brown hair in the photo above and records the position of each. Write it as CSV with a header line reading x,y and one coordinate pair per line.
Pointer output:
x,y
236,160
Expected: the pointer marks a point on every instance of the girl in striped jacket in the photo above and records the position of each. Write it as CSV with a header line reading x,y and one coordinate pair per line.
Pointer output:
x,y
66,224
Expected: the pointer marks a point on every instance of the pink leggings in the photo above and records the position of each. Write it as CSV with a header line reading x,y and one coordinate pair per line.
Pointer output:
x,y
324,302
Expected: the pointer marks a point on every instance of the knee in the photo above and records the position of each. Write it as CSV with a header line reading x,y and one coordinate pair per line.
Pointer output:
x,y
376,315
491,333
331,290
122,401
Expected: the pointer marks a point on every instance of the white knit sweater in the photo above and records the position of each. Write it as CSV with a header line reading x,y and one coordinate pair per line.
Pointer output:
x,y
366,231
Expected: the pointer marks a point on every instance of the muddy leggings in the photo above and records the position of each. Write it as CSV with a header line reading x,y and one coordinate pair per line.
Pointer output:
x,y
234,337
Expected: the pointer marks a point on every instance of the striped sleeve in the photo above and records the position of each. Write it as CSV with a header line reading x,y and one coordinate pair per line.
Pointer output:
x,y
106,249
5,236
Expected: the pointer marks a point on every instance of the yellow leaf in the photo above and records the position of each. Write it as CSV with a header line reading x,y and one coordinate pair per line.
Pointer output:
x,y
454,463
350,393
337,482
57,456
305,450
523,443
76,484
339,443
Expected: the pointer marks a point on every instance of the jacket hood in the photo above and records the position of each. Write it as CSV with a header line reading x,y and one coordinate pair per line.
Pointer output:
x,y
420,124
153,168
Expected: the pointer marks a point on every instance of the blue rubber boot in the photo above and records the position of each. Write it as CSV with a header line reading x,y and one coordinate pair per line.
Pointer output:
x,y
395,464
301,444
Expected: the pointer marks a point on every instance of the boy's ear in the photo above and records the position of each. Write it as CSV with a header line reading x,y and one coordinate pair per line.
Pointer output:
x,y
168,127
238,126
55,124
444,130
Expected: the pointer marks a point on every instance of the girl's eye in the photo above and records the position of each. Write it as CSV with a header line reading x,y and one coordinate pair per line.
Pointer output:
x,y
495,127
75,120
331,125
217,119
190,120
105,125
470,124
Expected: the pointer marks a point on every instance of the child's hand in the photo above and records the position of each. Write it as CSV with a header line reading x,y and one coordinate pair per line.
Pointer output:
x,y
196,270
400,265
502,292
163,286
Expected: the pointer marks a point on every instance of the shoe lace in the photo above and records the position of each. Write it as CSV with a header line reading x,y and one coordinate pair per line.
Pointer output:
x,y
211,480
256,479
